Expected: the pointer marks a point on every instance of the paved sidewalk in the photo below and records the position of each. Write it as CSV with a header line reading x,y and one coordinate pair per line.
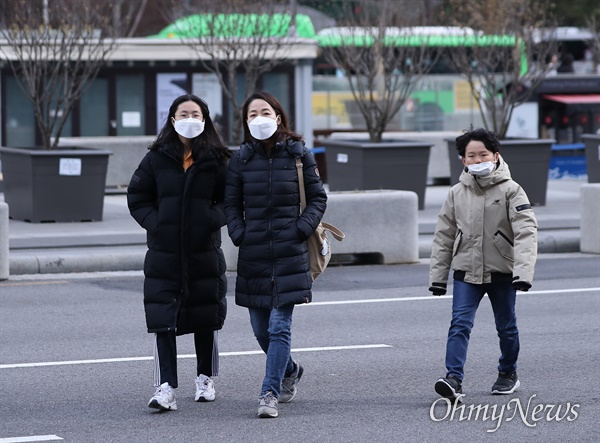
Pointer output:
x,y
117,243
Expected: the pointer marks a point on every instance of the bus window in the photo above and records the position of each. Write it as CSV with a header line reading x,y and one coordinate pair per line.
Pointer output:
x,y
572,46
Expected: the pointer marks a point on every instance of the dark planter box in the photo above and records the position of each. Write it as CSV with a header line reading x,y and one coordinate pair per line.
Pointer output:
x,y
592,156
528,160
392,164
63,185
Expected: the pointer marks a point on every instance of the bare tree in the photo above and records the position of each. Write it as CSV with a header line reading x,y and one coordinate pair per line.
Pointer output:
x,y
55,50
506,59
127,15
593,24
236,36
381,54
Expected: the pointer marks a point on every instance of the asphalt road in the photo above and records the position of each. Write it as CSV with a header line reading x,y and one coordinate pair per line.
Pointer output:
x,y
75,363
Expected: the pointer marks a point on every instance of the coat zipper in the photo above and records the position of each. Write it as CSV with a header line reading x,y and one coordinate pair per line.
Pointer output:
x,y
275,297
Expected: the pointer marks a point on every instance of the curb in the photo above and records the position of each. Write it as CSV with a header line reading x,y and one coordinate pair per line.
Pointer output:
x,y
131,258
58,261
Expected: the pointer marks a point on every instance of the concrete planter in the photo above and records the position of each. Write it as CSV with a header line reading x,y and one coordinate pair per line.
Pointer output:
x,y
528,160
54,186
592,156
391,164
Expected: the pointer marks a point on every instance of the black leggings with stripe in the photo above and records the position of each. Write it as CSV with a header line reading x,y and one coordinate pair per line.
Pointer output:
x,y
165,356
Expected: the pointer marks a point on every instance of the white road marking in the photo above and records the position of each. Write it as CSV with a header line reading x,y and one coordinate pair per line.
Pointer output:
x,y
433,297
222,354
30,438
330,348
562,291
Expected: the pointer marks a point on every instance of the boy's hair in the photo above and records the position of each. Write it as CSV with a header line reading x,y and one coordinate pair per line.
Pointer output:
x,y
488,138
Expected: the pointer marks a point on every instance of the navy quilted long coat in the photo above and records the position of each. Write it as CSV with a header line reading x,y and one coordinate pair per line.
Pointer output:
x,y
262,205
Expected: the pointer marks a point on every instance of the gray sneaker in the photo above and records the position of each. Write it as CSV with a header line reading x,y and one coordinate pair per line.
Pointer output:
x,y
267,406
288,385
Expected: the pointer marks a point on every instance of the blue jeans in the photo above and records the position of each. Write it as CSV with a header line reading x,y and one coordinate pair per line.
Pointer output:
x,y
273,331
464,305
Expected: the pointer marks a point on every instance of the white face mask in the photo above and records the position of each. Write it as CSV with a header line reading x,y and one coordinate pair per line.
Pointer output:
x,y
262,128
483,168
189,128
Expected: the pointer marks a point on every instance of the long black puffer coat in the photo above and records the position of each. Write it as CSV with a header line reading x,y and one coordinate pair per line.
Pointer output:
x,y
182,213
262,205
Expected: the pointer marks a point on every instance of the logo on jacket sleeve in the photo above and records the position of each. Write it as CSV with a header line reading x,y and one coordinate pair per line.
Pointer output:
x,y
522,207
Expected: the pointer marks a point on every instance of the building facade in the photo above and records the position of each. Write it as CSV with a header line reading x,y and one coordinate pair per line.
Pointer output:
x,y
133,92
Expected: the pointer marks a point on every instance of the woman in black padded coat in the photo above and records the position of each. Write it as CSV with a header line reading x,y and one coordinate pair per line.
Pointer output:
x,y
176,195
262,204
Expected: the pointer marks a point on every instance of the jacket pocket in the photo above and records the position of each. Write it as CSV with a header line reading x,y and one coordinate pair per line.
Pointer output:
x,y
457,242
504,245
151,238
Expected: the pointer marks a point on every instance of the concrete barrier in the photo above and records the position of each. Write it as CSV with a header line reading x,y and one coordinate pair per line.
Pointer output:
x,y
127,151
590,214
381,226
4,262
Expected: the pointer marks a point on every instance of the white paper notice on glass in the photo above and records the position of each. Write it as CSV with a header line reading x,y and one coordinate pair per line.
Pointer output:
x,y
131,119
342,158
524,121
69,166
169,86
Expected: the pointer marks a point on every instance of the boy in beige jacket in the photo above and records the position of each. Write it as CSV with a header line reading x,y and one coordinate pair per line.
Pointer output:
x,y
487,232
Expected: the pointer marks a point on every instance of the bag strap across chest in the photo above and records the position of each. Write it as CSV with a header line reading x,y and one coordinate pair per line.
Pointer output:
x,y
337,233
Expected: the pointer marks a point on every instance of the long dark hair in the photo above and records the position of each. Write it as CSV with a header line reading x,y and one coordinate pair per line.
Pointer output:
x,y
283,130
208,141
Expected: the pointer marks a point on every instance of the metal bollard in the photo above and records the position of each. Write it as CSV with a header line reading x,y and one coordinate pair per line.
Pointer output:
x,y
4,241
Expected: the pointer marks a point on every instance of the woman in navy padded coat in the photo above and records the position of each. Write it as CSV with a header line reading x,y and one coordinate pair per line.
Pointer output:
x,y
176,195
262,205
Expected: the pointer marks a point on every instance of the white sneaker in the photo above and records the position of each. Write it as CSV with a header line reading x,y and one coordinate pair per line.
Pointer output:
x,y
164,398
205,388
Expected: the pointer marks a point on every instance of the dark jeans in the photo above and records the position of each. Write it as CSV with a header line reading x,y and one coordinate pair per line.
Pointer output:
x,y
464,306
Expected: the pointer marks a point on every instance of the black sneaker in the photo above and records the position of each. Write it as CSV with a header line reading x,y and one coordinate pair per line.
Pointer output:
x,y
449,387
506,383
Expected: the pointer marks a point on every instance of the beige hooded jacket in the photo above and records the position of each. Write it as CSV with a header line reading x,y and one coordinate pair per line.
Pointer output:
x,y
485,226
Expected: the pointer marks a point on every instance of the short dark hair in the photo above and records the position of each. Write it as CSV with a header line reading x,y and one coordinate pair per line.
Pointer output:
x,y
488,138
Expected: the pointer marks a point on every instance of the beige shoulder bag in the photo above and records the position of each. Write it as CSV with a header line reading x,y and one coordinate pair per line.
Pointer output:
x,y
319,249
